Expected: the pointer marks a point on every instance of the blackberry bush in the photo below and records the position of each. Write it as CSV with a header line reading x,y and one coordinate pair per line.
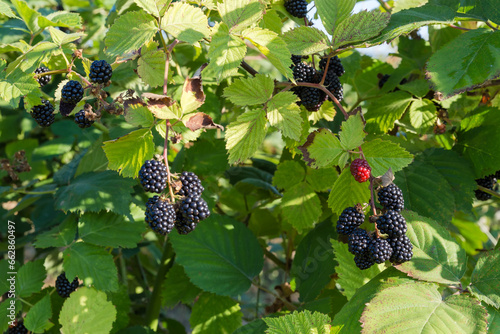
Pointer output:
x,y
100,71
392,224
361,170
363,261
82,121
194,209
42,81
64,287
153,176
191,185
358,241
297,8
391,198
379,250
350,219
304,73
43,114
72,92
160,215
402,249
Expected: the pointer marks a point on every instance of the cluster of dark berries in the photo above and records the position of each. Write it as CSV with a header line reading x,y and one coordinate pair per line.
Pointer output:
x,y
42,81
361,170
312,98
18,329
43,114
153,175
297,8
488,182
64,287
160,215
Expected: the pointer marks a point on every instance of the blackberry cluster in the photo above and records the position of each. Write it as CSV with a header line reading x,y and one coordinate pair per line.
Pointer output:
x,y
488,182
72,92
297,8
380,250
332,78
402,249
42,81
82,121
153,176
350,219
334,67
18,329
391,198
64,287
192,208
100,72
43,114
160,215
191,185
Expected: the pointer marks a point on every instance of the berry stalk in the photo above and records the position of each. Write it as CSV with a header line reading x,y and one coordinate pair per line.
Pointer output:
x,y
165,153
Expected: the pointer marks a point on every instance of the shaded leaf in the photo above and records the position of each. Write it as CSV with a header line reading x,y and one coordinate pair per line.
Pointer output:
x,y
359,27
214,314
347,192
485,278
299,322
241,14
321,149
193,96
384,111
301,206
305,40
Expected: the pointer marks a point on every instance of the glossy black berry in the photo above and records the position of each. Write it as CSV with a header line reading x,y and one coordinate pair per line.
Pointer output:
x,y
184,226
194,209
72,92
311,98
82,121
349,220
392,224
297,8
42,81
191,185
332,83
43,114
160,215
64,287
153,175
18,329
304,73
487,182
100,71
297,59
379,250
402,249
358,241
363,261
391,198
66,108
335,66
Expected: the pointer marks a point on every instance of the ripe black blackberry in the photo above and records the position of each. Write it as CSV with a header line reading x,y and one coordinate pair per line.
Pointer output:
x,y
72,92
82,121
350,219
297,59
66,108
363,261
153,176
311,98
332,83
100,71
391,198
182,225
64,287
191,185
43,114
194,209
297,8
18,329
335,66
160,215
392,224
42,81
402,249
487,182
379,250
304,73
358,241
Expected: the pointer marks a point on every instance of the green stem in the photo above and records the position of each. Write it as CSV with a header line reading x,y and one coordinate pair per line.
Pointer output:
x,y
123,269
274,258
65,70
154,306
385,6
101,127
489,191
36,192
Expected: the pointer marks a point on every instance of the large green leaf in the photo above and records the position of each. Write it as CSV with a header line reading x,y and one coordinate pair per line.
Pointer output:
x,y
322,149
185,22
288,174
347,192
151,65
352,133
29,15
382,155
214,314
485,278
16,85
241,14
421,308
250,91
92,264
177,287
30,278
333,12
384,111
359,27
476,59
87,311
493,320
284,114
301,206
305,40
299,322
38,318
436,255
223,248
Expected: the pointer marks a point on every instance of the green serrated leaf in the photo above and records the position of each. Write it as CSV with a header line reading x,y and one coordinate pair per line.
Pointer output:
x,y
59,236
284,114
151,6
493,319
129,32
326,111
421,307
244,136
333,12
241,14
17,84
37,320
382,155
301,206
92,264
306,40
347,192
185,22
303,322
422,114
436,255
177,287
250,91
60,38
322,149
352,134
271,21
28,15
6,10
384,111
288,174
485,278
151,65
121,302
359,27
214,314
87,311
321,179
61,19
418,88
139,115
127,154
30,278
219,247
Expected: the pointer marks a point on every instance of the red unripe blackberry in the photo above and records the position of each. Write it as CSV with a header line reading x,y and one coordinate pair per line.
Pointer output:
x,y
160,215
361,170
66,108
81,120
350,219
194,209
391,198
297,8
64,287
392,224
191,185
363,261
487,182
100,71
379,250
358,241
42,81
335,66
402,249
153,176
43,114
72,92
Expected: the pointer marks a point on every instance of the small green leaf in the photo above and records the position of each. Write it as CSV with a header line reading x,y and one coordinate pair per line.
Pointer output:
x,y
288,174
284,114
244,136
139,115
185,22
92,264
60,38
127,154
151,65
422,114
299,322
333,12
301,206
321,179
241,14
177,287
214,314
38,318
59,236
151,6
347,192
418,88
129,32
30,278
271,21
352,134
359,27
382,155
485,278
305,40
384,111
87,311
61,19
250,91
322,149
